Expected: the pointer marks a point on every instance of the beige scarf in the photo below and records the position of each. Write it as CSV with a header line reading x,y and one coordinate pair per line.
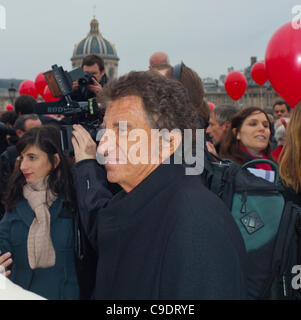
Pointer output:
x,y
40,250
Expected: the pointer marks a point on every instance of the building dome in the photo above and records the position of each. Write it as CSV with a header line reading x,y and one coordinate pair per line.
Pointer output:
x,y
95,43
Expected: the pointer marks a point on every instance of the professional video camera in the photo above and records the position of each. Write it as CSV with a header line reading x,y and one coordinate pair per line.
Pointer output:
x,y
87,113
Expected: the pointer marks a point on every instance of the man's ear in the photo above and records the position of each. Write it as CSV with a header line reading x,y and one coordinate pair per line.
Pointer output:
x,y
227,125
19,133
234,130
57,160
235,133
170,142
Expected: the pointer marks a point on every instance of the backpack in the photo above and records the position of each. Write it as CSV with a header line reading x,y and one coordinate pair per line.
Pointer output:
x,y
270,226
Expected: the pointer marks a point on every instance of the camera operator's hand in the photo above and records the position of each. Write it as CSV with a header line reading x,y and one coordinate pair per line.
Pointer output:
x,y
83,144
75,85
96,87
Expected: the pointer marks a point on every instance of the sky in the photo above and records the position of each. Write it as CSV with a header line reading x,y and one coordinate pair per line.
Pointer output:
x,y
209,36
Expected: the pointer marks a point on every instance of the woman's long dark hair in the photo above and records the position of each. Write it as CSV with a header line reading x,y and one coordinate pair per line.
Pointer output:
x,y
230,147
46,138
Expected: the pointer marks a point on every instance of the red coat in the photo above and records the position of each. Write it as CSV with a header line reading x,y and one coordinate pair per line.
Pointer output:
x,y
276,153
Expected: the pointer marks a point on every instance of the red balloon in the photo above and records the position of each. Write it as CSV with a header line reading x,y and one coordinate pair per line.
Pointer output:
x,y
211,105
40,83
9,107
236,84
48,96
258,73
283,63
27,87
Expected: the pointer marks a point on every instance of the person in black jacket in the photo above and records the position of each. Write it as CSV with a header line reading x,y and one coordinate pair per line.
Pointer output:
x,y
94,65
8,118
26,104
164,235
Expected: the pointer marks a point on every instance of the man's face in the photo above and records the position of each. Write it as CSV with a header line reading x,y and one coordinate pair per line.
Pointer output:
x,y
120,165
94,70
280,111
215,130
29,124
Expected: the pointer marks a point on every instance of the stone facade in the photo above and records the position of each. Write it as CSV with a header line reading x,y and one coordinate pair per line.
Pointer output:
x,y
255,95
263,97
4,95
4,99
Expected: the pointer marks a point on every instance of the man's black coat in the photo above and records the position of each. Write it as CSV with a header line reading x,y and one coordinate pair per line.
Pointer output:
x,y
169,238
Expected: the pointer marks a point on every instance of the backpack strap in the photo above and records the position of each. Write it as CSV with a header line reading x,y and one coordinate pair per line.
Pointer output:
x,y
218,180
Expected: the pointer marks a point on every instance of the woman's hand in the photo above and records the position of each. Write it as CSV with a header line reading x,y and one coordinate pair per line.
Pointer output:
x,y
5,261
283,122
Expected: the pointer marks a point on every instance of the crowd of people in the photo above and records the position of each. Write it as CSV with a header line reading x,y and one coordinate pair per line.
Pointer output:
x,y
109,222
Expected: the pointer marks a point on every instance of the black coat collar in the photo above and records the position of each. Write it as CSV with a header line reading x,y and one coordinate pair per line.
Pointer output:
x,y
125,206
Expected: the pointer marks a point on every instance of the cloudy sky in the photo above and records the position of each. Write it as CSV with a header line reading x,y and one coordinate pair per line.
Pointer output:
x,y
208,35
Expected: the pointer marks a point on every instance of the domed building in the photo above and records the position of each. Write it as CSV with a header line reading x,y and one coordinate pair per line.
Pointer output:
x,y
95,43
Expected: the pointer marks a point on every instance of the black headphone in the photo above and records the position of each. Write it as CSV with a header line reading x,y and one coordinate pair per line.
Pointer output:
x,y
177,69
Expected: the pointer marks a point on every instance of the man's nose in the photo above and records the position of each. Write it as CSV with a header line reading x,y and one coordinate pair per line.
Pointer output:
x,y
102,148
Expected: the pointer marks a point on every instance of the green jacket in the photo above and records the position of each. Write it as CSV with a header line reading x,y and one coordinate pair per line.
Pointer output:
x,y
57,282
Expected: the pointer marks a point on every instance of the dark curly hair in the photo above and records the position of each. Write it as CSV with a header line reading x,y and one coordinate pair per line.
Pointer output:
x,y
165,101
47,138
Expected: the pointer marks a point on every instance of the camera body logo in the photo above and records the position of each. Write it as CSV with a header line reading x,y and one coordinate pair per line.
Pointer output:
x,y
2,17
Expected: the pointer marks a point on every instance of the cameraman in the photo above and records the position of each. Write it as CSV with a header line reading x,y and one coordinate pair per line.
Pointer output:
x,y
95,66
